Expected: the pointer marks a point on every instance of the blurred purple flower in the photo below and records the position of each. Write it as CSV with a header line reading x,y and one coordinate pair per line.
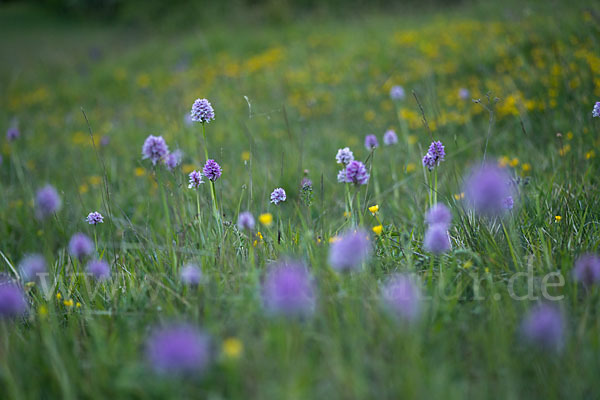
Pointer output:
x,y
397,93
341,176
464,94
12,300
350,251
288,290
99,269
439,214
246,221
486,189
390,137
344,156
155,148
437,240
173,160
371,142
178,349
104,140
356,173
278,196
596,110
211,170
80,245
544,327
191,275
195,180
202,111
12,133
94,218
47,202
587,269
509,203
402,296
32,266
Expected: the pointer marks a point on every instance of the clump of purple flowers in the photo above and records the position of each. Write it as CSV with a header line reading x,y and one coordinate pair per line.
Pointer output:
x,y
463,93
509,203
155,149
80,246
98,269
191,275
211,170
202,111
344,156
544,327
179,349
437,240
438,214
94,218
173,160
246,221
32,266
12,300
435,155
341,176
390,138
350,251
371,142
397,92
288,290
277,196
47,202
195,180
401,295
596,110
486,190
12,133
587,269
356,173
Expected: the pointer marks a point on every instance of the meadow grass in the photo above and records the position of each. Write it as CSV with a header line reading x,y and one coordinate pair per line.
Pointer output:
x,y
286,98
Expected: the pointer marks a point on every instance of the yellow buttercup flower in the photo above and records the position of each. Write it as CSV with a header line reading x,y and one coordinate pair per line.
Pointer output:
x,y
68,303
233,347
378,229
266,219
245,156
58,296
374,209
558,218
410,167
459,196
526,167
139,171
514,162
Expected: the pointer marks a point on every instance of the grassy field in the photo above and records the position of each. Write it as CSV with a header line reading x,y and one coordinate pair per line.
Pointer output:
x,y
286,98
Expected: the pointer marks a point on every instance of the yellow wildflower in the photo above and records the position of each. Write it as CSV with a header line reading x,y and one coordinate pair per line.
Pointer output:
x,y
266,219
378,229
139,171
58,296
68,303
245,155
410,167
232,347
374,209
558,218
